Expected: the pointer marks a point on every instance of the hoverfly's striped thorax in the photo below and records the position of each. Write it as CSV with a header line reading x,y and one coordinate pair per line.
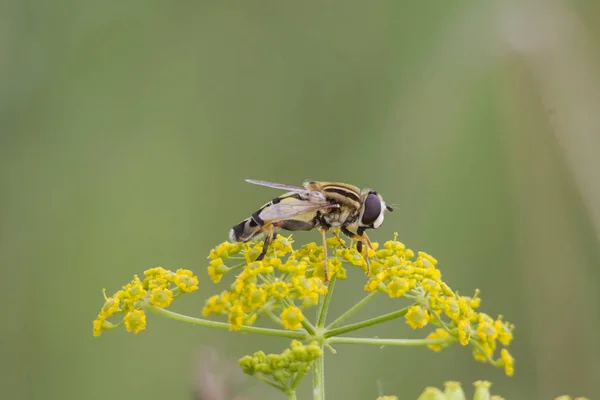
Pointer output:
x,y
314,205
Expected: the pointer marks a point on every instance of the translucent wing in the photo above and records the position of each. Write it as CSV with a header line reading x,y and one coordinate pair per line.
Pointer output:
x,y
290,208
282,186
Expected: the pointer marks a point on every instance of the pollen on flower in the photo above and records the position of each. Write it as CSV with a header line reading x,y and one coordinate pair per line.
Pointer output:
x,y
335,242
417,317
185,280
438,334
464,331
508,362
135,321
278,290
283,245
255,297
292,318
484,352
217,269
134,290
236,317
161,297
97,326
398,286
111,306
504,331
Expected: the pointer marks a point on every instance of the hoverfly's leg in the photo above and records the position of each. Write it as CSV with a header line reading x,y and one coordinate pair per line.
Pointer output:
x,y
270,235
335,233
361,231
353,236
323,230
367,247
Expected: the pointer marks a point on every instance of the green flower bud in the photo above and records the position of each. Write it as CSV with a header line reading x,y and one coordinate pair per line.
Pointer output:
x,y
482,390
432,393
454,391
247,364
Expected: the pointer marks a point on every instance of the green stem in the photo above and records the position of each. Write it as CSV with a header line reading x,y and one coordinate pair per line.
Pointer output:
x,y
274,317
296,381
291,394
324,304
236,267
270,382
319,378
439,319
364,324
352,310
482,351
391,342
223,325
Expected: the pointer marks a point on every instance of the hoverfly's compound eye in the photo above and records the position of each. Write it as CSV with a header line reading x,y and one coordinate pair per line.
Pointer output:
x,y
372,209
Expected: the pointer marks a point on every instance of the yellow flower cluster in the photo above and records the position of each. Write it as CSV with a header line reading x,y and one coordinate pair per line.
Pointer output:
x,y
276,284
159,287
397,272
287,280
286,368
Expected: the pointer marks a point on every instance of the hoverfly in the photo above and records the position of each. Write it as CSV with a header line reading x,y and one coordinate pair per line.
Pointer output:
x,y
316,204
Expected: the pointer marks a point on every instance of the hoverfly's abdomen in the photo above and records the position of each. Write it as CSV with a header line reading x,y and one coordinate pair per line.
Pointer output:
x,y
245,231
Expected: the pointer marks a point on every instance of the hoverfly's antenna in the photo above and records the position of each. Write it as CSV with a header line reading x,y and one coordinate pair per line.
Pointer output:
x,y
390,207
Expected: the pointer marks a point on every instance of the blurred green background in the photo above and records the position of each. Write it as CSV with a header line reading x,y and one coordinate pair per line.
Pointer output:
x,y
128,128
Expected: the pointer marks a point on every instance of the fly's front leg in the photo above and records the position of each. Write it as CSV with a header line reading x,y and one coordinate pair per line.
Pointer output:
x,y
361,231
323,230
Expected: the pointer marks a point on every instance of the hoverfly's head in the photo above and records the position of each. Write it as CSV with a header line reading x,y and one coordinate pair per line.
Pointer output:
x,y
372,210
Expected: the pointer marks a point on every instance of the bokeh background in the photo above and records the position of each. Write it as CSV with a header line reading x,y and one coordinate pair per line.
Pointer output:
x,y
127,130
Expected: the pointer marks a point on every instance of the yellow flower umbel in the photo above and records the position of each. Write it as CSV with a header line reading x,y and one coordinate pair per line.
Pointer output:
x,y
399,273
159,287
285,280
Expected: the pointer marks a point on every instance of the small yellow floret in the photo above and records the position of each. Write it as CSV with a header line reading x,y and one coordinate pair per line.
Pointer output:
x,y
186,281
135,321
398,286
464,331
417,317
217,269
111,306
97,325
161,297
236,317
508,362
437,334
292,318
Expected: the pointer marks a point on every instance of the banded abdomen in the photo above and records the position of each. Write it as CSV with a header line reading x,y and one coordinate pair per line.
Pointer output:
x,y
255,226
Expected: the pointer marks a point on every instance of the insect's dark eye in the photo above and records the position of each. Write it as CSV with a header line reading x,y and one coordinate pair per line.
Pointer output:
x,y
372,209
